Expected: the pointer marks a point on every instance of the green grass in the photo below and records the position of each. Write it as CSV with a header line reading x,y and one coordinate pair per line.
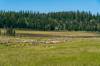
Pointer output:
x,y
73,52
77,52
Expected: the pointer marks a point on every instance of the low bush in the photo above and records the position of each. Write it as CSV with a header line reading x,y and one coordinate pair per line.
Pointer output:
x,y
10,32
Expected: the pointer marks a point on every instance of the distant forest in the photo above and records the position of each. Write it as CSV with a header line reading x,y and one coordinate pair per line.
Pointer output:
x,y
52,21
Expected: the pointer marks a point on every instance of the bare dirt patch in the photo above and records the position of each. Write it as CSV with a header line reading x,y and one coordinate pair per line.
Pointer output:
x,y
34,35
46,35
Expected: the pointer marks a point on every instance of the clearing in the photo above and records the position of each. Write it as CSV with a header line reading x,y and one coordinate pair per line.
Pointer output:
x,y
38,48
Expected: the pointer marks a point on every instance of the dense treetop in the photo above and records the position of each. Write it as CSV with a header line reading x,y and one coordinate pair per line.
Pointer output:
x,y
69,21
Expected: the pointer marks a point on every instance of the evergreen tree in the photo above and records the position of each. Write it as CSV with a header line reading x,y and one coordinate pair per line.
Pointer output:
x,y
69,21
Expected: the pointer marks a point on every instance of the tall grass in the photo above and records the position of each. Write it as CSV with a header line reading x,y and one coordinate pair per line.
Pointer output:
x,y
78,52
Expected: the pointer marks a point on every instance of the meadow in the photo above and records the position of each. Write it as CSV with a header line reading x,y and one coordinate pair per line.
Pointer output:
x,y
50,48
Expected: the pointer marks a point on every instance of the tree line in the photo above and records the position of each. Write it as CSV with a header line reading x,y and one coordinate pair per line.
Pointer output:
x,y
52,21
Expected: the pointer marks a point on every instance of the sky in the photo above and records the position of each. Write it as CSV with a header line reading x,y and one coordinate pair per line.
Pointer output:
x,y
51,5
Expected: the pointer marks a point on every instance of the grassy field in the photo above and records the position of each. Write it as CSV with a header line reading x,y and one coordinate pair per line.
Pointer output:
x,y
76,51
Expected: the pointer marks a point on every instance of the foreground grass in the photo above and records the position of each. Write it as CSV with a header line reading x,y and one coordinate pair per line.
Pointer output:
x,y
77,52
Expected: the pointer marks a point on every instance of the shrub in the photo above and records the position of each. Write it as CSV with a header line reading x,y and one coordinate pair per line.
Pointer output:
x,y
10,32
